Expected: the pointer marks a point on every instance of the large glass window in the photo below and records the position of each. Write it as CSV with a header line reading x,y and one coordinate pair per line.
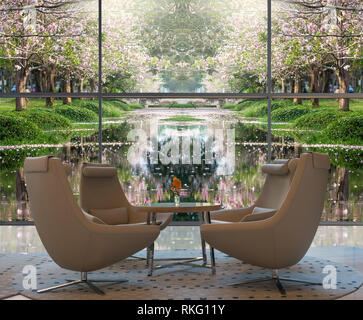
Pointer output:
x,y
193,72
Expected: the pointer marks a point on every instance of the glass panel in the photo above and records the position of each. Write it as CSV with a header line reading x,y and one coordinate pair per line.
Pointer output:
x,y
67,132
188,46
48,48
216,153
317,47
333,132
317,50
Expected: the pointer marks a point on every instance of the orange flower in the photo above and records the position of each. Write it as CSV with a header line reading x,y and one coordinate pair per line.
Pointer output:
x,y
176,185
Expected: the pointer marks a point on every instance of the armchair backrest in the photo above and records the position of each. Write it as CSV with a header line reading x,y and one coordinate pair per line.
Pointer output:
x,y
277,184
295,224
59,220
100,188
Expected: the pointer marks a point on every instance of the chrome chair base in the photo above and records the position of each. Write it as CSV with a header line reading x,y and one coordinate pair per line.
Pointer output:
x,y
185,261
84,279
182,261
277,279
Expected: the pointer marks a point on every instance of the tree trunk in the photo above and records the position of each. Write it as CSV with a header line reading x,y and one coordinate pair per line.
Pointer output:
x,y
50,74
314,85
343,78
297,89
283,86
2,81
342,194
325,81
80,86
92,84
38,81
20,82
67,88
72,85
21,195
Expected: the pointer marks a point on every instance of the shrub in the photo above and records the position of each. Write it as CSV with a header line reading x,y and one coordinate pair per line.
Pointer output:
x,y
229,106
182,105
258,108
115,133
320,119
16,129
289,113
45,120
76,114
108,110
120,105
346,130
136,106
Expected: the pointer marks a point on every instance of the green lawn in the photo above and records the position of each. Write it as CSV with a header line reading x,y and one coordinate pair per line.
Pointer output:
x,y
257,108
56,124
182,118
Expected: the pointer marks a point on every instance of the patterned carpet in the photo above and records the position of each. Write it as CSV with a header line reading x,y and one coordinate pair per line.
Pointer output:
x,y
177,282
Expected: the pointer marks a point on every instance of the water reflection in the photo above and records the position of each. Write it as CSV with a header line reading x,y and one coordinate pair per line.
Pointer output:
x,y
149,181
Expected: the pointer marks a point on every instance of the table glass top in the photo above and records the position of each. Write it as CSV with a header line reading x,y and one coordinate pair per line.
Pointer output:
x,y
181,204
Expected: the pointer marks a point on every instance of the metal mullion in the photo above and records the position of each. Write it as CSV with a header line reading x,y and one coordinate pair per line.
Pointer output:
x,y
100,97
155,95
269,91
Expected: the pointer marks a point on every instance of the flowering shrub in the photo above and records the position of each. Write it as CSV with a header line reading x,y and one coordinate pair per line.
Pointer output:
x,y
76,114
45,120
347,129
289,113
15,129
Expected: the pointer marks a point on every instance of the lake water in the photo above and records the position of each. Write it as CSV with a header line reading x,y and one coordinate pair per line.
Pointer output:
x,y
209,142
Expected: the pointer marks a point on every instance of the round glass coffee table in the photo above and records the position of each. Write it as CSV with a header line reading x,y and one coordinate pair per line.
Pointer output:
x,y
184,207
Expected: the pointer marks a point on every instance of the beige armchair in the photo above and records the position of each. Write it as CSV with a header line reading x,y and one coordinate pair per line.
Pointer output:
x,y
74,239
101,195
283,239
279,175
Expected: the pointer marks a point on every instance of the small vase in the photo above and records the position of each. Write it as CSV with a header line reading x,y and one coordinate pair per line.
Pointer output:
x,y
176,199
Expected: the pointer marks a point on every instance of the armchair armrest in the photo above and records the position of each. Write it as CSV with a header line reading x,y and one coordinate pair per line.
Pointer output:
x,y
251,242
258,216
231,215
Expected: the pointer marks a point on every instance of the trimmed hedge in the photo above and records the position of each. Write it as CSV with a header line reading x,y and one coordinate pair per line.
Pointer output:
x,y
316,120
107,109
347,129
76,114
45,120
258,108
181,105
320,119
115,132
15,129
134,106
290,113
229,106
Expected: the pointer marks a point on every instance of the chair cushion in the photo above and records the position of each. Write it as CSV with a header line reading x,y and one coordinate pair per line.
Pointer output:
x,y
92,218
36,164
279,169
99,172
111,216
259,214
